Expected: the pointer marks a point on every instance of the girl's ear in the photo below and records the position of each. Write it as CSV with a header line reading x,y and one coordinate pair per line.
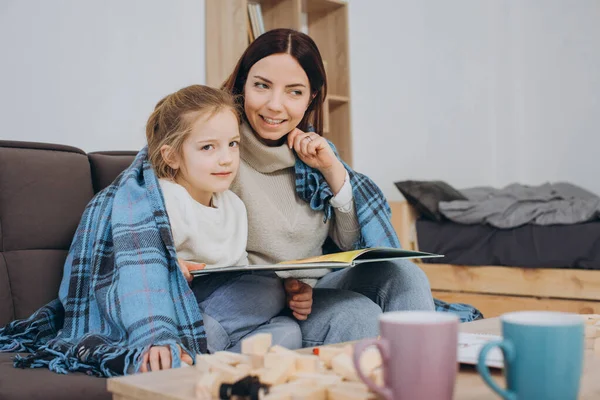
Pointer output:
x,y
170,157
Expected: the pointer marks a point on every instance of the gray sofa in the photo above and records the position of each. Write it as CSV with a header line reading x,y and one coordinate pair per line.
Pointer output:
x,y
44,189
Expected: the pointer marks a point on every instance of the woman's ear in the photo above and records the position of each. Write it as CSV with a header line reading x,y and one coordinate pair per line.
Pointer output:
x,y
312,98
169,156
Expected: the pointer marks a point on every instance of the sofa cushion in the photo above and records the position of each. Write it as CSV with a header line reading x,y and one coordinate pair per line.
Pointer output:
x,y
41,383
107,165
39,269
7,310
44,189
44,193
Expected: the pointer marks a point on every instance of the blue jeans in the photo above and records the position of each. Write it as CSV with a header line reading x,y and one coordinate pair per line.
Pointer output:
x,y
236,305
347,303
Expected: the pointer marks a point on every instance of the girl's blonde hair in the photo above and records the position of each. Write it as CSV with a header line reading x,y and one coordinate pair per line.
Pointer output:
x,y
173,117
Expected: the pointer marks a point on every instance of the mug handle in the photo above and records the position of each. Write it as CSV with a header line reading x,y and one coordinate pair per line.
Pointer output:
x,y
384,349
508,351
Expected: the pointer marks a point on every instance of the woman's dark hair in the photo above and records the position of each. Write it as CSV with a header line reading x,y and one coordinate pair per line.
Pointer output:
x,y
304,50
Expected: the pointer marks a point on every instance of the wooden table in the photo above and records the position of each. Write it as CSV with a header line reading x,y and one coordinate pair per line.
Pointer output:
x,y
178,384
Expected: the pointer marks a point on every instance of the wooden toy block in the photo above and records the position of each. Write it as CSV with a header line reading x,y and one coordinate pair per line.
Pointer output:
x,y
326,354
340,393
310,393
286,387
228,373
257,361
257,344
231,358
342,365
307,363
299,382
377,376
259,372
211,361
348,349
278,396
279,374
245,369
203,393
369,360
317,379
208,386
274,360
280,349
351,386
202,364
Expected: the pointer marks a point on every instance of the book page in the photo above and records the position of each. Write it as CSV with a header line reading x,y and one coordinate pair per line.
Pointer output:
x,y
470,344
345,257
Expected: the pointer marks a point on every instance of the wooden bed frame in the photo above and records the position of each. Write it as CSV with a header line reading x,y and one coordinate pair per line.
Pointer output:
x,y
497,289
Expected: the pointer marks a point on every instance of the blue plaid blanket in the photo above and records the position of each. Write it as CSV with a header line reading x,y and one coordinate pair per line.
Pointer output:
x,y
121,291
373,212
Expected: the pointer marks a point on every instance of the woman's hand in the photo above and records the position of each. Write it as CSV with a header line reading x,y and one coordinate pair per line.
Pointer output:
x,y
316,152
187,266
159,357
298,297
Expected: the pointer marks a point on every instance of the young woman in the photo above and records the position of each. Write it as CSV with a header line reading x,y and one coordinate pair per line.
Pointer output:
x,y
302,200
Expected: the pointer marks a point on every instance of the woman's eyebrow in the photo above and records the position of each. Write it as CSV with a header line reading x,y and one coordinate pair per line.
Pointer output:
x,y
287,86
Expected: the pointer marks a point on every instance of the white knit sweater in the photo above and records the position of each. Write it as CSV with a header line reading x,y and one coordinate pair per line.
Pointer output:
x,y
212,235
281,226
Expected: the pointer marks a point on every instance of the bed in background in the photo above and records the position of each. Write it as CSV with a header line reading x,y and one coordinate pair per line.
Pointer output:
x,y
495,289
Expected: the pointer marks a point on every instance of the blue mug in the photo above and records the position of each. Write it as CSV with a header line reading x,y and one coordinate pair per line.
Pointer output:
x,y
543,355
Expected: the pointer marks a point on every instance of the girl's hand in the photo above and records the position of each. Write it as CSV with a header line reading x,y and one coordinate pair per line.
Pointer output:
x,y
316,152
187,266
159,357
299,298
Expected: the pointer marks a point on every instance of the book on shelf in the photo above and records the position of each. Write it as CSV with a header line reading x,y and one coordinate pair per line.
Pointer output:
x,y
249,26
255,21
344,259
259,16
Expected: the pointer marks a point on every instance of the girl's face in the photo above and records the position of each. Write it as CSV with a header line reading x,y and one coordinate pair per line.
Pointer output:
x,y
210,156
277,94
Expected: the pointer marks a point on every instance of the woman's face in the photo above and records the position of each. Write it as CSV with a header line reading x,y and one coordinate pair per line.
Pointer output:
x,y
277,93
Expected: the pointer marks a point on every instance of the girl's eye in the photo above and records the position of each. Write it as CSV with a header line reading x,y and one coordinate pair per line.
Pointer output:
x,y
207,147
261,85
235,143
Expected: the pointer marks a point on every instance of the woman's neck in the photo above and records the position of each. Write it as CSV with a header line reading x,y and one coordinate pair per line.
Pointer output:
x,y
267,142
262,156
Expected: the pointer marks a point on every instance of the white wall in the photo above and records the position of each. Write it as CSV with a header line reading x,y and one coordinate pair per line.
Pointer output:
x,y
476,92
88,73
471,92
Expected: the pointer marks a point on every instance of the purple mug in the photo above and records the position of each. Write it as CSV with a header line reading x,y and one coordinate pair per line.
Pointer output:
x,y
419,354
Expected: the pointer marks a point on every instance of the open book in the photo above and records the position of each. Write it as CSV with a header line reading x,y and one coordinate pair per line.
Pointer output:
x,y
470,344
336,260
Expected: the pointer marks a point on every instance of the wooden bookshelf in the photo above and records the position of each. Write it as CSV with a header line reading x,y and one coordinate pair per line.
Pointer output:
x,y
326,23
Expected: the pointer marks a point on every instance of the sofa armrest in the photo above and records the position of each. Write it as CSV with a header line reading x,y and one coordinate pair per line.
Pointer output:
x,y
404,220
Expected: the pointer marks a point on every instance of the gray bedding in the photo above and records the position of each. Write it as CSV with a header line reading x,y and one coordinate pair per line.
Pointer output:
x,y
516,205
